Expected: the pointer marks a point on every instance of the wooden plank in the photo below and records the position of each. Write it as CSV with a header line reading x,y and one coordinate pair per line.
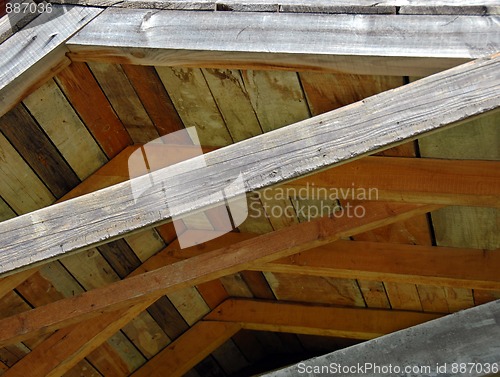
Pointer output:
x,y
36,53
183,354
469,336
277,98
14,21
233,102
21,189
80,87
384,120
398,263
37,150
154,98
125,101
54,114
196,106
205,267
339,43
353,323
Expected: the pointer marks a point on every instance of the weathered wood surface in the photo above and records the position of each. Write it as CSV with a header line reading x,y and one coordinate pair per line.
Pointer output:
x,y
200,269
35,53
342,135
470,336
403,45
303,6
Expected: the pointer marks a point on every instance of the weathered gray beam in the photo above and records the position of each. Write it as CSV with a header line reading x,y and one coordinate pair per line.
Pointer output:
x,y
466,343
373,124
363,44
34,54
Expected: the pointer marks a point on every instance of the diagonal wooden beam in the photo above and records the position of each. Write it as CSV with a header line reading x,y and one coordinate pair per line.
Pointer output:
x,y
188,350
276,316
311,145
406,180
37,52
203,268
463,343
293,41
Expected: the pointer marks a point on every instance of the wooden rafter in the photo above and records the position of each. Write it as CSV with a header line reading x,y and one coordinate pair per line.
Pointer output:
x,y
467,339
37,52
202,268
314,144
183,354
406,180
337,42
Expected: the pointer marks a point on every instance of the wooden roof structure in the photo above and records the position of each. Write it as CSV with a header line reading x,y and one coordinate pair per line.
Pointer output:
x,y
383,114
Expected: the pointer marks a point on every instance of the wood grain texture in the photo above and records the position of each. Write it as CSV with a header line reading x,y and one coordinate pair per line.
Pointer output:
x,y
194,271
467,336
340,43
194,103
183,354
353,323
38,151
80,87
35,53
390,262
125,101
342,135
54,114
154,98
232,98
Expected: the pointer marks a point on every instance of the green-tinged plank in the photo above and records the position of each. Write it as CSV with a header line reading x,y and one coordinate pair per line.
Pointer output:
x,y
377,123
21,188
37,150
361,44
194,103
54,114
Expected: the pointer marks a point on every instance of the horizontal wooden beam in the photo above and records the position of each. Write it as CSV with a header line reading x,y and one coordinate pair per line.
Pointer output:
x,y
187,351
333,138
352,323
183,354
360,44
463,343
197,270
413,264
37,52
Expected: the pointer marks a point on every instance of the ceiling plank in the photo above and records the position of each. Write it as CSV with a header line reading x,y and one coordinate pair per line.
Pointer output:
x,y
336,137
187,351
397,263
197,270
467,338
37,52
293,41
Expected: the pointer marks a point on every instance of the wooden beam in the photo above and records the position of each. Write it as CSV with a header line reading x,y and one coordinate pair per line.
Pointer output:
x,y
330,139
468,339
37,52
406,180
187,351
353,323
277,317
293,41
413,264
193,271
